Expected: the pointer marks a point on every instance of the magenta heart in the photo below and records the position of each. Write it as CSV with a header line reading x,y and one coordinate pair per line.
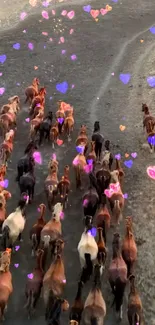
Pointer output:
x,y
16,265
70,14
27,120
134,154
118,156
30,276
2,91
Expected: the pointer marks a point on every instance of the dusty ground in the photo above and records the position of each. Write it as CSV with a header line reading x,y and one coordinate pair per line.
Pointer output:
x,y
119,42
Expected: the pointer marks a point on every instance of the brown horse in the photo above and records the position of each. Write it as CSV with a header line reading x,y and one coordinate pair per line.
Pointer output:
x,y
60,117
3,169
35,124
51,186
94,307
32,91
135,308
151,136
34,285
79,163
129,248
12,106
64,186
36,229
6,287
117,275
38,101
102,251
147,118
54,279
8,121
54,132
91,158
121,172
69,124
6,147
102,219
77,307
117,199
82,139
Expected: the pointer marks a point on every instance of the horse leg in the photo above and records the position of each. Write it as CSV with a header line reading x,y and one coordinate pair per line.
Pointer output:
x,y
20,237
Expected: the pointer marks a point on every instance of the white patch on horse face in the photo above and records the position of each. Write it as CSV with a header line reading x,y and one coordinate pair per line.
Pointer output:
x,y
114,176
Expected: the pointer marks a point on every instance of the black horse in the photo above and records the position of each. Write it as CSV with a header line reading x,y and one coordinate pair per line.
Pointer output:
x,y
53,310
27,184
98,138
26,163
45,127
90,201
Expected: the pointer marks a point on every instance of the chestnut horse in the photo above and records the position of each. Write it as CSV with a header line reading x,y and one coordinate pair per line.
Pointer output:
x,y
135,308
54,132
51,186
91,158
60,117
6,287
79,164
38,101
12,106
32,91
6,147
117,275
35,124
64,186
129,248
7,121
69,124
82,139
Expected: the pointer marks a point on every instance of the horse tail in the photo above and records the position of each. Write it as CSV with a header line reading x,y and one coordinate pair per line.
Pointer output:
x,y
89,265
32,129
93,321
29,298
3,155
2,309
34,243
136,319
118,292
5,236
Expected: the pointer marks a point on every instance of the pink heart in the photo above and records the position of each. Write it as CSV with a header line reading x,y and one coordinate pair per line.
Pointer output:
x,y
70,14
64,12
103,11
27,120
30,276
107,193
59,142
16,265
151,172
17,248
94,13
114,187
134,154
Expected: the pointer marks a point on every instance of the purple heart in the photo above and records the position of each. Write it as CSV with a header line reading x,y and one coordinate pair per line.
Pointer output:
x,y
134,154
125,78
30,276
62,87
63,51
90,161
17,248
31,46
73,57
128,163
4,183
27,120
80,149
16,46
60,120
151,81
93,232
125,195
45,3
2,58
16,265
118,156
2,91
115,0
152,29
87,8
151,140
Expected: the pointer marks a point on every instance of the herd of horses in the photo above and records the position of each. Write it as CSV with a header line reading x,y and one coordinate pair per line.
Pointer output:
x,y
103,205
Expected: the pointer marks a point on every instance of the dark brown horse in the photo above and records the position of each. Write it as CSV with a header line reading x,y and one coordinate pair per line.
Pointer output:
x,y
64,187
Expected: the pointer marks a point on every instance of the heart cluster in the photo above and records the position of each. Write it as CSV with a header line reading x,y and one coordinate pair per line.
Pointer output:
x,y
103,11
114,188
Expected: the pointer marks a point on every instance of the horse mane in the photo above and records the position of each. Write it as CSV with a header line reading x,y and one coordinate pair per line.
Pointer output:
x,y
29,147
53,309
11,99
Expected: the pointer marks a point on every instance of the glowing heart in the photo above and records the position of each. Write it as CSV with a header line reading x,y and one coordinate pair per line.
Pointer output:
x,y
128,163
118,156
33,2
108,8
16,46
152,29
151,81
122,127
125,78
35,67
115,187
93,232
71,14
103,11
27,120
94,13
80,149
16,265
64,12
134,154
2,91
151,172
17,248
37,157
151,140
126,155
45,14
2,58
125,195
62,87
87,8
4,183
108,193
30,276
23,15
59,142
60,120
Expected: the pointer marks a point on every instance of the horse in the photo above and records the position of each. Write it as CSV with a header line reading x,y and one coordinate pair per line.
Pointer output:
x,y
8,121
129,248
45,127
27,162
147,118
12,106
117,275
82,139
98,138
35,124
102,251
38,101
54,132
6,287
107,157
77,307
135,308
69,124
79,164
90,201
32,90
54,308
91,158
151,136
102,218
27,184
60,117
35,232
3,169
51,186
94,308
64,187
6,147
116,201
